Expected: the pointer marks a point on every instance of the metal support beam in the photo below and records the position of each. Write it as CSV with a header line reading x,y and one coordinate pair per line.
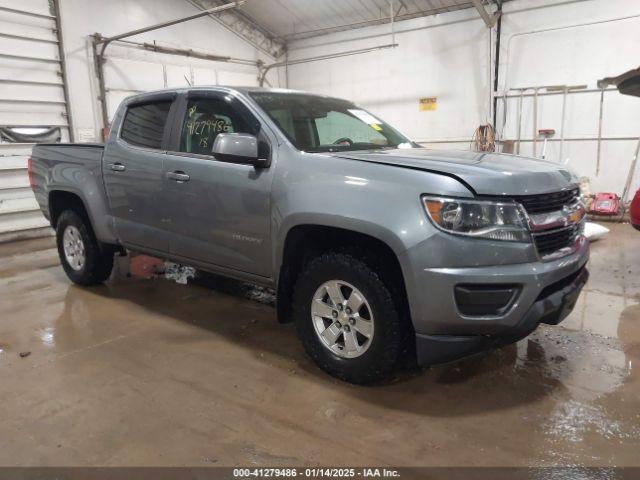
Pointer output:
x,y
392,16
496,70
63,69
188,52
195,54
185,52
535,121
104,42
519,122
245,27
489,19
102,91
348,53
602,90
551,90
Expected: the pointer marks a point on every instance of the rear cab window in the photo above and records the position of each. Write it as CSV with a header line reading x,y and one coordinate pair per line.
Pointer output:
x,y
144,124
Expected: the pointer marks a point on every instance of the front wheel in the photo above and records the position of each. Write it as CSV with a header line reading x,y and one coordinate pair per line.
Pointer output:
x,y
347,319
83,259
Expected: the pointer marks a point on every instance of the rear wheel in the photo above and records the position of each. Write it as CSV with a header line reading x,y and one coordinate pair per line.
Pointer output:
x,y
83,259
347,319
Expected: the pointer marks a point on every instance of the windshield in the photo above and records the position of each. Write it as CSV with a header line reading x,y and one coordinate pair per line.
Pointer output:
x,y
319,124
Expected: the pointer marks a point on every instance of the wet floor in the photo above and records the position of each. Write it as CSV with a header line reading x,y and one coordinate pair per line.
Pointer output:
x,y
151,372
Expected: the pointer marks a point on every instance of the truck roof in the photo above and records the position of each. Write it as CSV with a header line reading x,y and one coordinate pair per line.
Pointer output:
x,y
221,88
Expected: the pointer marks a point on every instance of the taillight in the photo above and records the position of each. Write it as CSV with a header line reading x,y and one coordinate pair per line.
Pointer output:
x,y
30,173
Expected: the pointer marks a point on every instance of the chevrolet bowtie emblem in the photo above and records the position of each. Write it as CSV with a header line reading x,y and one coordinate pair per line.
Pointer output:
x,y
569,215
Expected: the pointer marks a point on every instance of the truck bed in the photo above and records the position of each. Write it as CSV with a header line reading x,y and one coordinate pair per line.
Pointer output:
x,y
69,167
66,145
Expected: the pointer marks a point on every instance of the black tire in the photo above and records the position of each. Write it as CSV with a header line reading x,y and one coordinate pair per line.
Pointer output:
x,y
98,259
390,327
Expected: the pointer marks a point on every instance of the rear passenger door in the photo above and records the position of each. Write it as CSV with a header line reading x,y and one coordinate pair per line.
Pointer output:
x,y
133,171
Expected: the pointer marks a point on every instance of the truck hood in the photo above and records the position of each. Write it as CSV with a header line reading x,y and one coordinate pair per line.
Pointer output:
x,y
485,173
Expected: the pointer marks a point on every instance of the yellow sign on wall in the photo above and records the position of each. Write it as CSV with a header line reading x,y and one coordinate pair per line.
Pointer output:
x,y
427,103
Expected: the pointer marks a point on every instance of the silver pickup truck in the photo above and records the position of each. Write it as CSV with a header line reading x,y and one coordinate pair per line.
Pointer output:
x,y
379,250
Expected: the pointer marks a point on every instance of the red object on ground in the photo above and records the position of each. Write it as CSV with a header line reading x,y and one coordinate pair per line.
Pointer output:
x,y
634,211
144,266
605,204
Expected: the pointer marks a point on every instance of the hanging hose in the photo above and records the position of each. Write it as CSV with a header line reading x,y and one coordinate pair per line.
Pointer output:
x,y
484,139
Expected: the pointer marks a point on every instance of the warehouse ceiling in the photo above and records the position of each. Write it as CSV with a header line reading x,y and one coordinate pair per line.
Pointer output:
x,y
293,19
281,21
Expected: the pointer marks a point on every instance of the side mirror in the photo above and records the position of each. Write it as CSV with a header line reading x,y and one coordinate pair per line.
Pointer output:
x,y
237,148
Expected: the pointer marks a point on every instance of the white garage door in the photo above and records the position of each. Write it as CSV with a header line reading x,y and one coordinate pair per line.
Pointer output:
x,y
32,100
128,71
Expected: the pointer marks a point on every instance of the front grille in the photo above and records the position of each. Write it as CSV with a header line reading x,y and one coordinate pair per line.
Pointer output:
x,y
551,240
547,202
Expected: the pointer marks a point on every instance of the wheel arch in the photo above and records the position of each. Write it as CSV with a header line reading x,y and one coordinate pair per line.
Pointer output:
x,y
305,241
62,198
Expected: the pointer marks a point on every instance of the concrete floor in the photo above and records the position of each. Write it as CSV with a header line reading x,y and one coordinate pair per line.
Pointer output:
x,y
149,372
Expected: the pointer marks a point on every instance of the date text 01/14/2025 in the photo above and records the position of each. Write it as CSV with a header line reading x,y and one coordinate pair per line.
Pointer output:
x,y
315,472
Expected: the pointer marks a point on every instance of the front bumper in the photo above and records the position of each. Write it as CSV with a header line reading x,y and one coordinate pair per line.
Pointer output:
x,y
547,293
555,304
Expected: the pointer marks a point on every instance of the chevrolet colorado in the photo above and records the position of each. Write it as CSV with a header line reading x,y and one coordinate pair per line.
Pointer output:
x,y
377,248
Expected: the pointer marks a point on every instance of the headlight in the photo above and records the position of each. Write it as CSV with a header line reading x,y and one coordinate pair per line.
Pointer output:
x,y
478,218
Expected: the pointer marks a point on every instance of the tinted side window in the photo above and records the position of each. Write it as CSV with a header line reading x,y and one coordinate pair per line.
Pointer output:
x,y
204,119
144,124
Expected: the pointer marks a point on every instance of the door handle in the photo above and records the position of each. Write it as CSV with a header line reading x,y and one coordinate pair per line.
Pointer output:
x,y
117,167
178,176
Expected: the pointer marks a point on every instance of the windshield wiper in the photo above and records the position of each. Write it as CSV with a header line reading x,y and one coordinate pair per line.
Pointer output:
x,y
368,146
351,148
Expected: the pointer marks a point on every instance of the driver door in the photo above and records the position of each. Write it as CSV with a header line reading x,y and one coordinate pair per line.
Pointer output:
x,y
218,212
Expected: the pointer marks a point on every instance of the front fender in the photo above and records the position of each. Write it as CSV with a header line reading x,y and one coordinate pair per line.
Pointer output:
x,y
365,227
379,201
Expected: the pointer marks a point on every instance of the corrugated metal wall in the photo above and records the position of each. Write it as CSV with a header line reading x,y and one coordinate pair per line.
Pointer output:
x,y
31,95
